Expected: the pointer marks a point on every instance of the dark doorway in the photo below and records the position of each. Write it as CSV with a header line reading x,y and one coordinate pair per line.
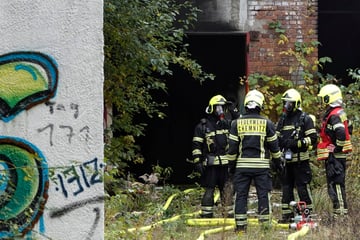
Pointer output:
x,y
168,142
339,34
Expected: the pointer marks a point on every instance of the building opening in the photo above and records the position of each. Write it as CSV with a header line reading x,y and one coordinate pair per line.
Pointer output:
x,y
341,45
168,142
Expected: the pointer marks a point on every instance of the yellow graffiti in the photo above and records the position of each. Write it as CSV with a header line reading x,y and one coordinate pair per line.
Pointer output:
x,y
19,80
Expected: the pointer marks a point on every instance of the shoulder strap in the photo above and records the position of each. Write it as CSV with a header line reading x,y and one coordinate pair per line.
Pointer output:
x,y
301,121
300,125
335,111
281,122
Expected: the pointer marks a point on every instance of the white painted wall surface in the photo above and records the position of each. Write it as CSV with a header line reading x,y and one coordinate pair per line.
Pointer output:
x,y
230,13
69,133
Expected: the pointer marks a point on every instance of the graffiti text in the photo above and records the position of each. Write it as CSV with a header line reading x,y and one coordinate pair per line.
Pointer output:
x,y
84,175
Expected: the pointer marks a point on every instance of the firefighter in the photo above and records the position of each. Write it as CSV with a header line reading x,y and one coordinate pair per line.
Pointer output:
x,y
209,146
297,137
334,145
252,144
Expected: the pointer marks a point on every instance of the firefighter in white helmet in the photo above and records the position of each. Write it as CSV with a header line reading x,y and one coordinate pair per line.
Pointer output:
x,y
252,144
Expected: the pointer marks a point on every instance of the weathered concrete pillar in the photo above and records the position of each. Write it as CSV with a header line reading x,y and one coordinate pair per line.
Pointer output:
x,y
222,15
51,112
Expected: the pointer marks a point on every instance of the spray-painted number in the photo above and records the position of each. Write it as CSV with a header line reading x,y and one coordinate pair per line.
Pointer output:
x,y
83,132
87,174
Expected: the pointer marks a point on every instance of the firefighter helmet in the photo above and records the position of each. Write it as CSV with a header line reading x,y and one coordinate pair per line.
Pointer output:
x,y
292,100
254,99
215,100
330,93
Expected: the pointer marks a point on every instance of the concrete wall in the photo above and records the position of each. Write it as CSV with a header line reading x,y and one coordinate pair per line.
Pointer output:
x,y
51,110
222,15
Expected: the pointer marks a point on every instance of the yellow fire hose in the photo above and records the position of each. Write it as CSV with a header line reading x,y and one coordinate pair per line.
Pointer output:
x,y
167,204
302,232
227,223
172,219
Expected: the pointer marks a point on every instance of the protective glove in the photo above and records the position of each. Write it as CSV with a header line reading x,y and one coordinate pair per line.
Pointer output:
x,y
232,167
199,167
279,165
233,111
334,167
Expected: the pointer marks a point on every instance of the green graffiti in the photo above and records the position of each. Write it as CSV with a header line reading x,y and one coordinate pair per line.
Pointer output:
x,y
27,180
18,81
26,79
23,186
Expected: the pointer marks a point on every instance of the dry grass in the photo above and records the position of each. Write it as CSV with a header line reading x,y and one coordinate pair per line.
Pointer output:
x,y
344,228
142,206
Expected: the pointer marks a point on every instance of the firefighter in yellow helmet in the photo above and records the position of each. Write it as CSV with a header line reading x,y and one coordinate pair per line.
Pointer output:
x,y
297,136
252,144
334,145
209,146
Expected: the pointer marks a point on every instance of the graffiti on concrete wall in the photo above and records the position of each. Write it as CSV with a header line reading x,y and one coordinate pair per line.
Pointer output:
x,y
64,131
80,177
75,181
57,213
26,79
23,185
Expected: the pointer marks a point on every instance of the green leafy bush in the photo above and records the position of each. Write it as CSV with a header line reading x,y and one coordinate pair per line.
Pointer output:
x,y
143,39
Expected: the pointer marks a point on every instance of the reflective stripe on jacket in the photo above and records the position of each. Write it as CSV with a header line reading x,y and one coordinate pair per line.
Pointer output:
x,y
300,127
210,142
334,130
253,142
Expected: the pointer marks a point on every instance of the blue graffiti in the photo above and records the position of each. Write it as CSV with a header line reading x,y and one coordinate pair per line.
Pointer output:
x,y
26,68
85,175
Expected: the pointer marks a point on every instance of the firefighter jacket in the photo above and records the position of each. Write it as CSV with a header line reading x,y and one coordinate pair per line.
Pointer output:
x,y
253,141
300,127
210,142
334,130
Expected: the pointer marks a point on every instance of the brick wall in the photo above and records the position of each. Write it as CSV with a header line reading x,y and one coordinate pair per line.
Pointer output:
x,y
297,17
